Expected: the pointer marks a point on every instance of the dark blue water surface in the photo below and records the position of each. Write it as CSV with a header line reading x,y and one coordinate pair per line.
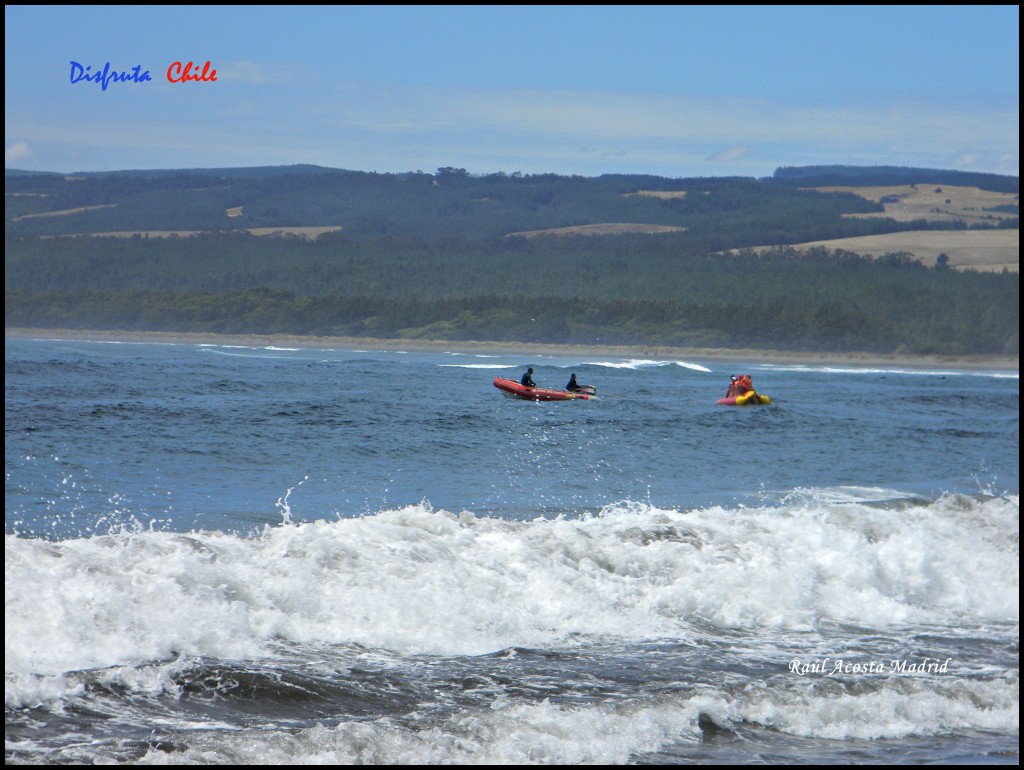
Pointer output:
x,y
213,436
260,555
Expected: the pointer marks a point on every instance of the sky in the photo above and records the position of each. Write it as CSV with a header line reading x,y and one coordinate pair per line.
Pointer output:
x,y
673,91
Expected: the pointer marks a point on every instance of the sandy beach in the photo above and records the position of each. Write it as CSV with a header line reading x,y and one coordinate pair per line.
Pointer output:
x,y
524,348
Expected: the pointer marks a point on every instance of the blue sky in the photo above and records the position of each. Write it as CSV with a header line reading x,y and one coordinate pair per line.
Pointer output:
x,y
671,91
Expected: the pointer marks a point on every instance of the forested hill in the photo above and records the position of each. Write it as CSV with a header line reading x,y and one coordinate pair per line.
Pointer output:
x,y
863,176
453,255
452,202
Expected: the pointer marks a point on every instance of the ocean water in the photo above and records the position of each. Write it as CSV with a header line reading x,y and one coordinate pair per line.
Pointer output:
x,y
253,555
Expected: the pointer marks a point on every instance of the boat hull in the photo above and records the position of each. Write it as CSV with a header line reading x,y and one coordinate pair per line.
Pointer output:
x,y
750,398
516,390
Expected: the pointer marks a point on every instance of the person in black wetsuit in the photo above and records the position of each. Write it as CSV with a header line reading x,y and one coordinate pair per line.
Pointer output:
x,y
573,386
527,379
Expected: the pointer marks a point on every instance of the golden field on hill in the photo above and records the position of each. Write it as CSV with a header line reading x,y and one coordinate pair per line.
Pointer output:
x,y
983,250
663,194
611,228
310,233
934,203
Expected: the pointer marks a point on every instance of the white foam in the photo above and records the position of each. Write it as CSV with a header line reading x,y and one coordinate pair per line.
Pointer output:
x,y
419,581
480,366
640,363
896,709
512,732
894,370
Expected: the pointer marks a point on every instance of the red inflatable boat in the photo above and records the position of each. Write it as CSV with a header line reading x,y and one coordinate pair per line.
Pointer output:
x,y
514,389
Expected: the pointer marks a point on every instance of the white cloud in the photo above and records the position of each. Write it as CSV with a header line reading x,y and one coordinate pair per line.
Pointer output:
x,y
400,128
589,116
1009,164
253,73
16,153
728,155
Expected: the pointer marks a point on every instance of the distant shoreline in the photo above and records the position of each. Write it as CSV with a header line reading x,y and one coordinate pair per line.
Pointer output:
x,y
525,349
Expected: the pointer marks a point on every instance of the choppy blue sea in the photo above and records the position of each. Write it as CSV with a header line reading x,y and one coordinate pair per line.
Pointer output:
x,y
256,555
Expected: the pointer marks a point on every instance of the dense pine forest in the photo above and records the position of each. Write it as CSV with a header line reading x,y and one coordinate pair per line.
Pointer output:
x,y
439,255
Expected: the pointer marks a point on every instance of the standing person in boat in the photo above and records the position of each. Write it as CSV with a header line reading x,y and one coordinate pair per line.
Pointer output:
x,y
527,379
573,386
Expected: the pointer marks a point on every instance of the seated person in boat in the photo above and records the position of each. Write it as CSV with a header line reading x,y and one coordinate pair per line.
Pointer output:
x,y
738,385
527,379
573,386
